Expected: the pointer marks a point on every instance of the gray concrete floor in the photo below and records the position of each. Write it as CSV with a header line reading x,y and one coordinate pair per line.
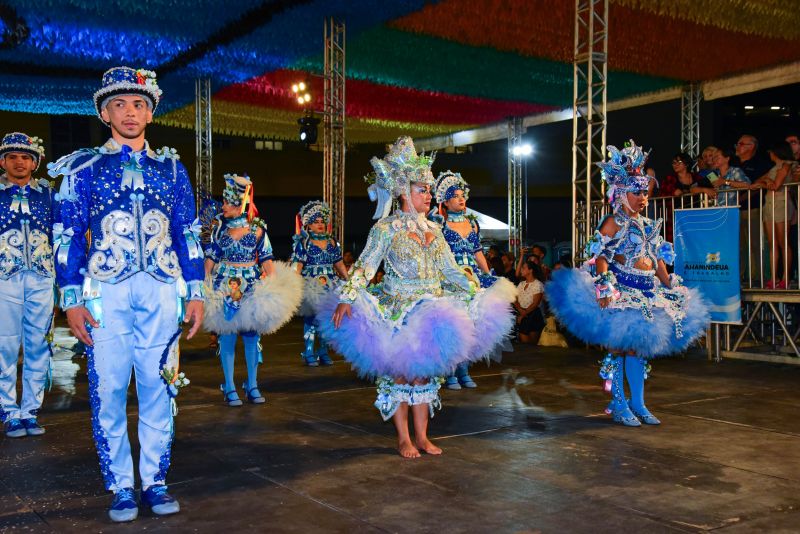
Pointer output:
x,y
530,450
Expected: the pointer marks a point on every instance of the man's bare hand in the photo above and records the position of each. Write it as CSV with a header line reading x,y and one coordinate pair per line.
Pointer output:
x,y
342,310
194,315
77,317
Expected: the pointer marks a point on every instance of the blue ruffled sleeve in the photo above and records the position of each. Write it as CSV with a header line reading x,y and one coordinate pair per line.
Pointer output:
x,y
71,216
185,227
212,249
299,254
264,246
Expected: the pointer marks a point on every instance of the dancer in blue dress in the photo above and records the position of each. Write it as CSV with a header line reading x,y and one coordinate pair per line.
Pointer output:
x,y
247,293
462,233
623,298
318,258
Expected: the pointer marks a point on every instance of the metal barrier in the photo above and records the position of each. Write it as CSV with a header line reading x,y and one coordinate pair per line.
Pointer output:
x,y
769,254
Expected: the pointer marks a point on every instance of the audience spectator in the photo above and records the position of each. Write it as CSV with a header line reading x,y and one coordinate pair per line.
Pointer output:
x,y
754,167
493,252
530,320
729,178
778,209
496,263
794,141
707,167
508,267
539,252
683,180
652,182
348,259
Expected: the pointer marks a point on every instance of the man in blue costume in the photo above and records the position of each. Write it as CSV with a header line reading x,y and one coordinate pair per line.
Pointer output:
x,y
26,282
142,273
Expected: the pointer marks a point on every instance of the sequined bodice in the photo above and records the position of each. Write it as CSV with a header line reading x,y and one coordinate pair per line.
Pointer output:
x,y
463,248
26,220
638,238
414,266
316,260
240,250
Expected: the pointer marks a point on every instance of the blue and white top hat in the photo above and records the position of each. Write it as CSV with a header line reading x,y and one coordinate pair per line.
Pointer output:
x,y
237,189
127,81
20,142
447,184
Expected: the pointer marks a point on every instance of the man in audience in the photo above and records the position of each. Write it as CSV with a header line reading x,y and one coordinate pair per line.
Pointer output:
x,y
794,141
754,168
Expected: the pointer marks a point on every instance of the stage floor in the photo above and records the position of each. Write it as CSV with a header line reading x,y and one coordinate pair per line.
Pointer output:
x,y
529,450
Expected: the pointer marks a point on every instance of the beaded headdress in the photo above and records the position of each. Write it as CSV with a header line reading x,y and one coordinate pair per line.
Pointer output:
x,y
314,210
239,192
447,184
395,173
20,142
624,172
127,81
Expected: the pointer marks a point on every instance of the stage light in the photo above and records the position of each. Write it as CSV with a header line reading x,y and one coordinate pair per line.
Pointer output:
x,y
295,88
301,86
307,97
748,107
774,108
522,150
300,100
308,129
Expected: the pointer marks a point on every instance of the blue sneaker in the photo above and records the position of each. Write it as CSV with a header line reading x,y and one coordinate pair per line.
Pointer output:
x,y
452,383
32,427
124,507
14,429
159,501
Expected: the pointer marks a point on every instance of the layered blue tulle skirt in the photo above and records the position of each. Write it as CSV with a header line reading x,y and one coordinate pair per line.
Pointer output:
x,y
419,338
650,322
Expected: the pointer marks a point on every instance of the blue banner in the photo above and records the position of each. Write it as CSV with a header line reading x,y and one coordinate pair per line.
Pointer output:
x,y
707,257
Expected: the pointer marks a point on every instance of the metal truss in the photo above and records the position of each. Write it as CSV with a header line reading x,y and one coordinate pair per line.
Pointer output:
x,y
690,119
588,116
515,185
202,132
334,115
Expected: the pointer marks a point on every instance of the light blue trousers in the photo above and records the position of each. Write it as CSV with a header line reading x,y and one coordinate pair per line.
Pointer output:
x,y
139,317
26,313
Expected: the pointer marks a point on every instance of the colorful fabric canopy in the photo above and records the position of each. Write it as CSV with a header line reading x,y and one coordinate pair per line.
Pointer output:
x,y
414,66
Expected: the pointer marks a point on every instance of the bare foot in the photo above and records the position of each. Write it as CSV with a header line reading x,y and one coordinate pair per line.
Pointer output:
x,y
407,450
427,446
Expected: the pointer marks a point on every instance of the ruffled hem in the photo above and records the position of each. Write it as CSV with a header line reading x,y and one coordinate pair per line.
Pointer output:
x,y
273,302
571,297
433,336
313,293
493,318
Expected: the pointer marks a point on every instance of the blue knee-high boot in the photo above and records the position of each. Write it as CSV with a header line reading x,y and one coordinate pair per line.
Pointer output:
x,y
612,371
636,369
227,355
309,333
322,353
462,372
252,356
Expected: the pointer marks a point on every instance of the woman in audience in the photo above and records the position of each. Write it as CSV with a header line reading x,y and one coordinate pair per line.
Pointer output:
x,y
729,178
683,181
530,321
778,209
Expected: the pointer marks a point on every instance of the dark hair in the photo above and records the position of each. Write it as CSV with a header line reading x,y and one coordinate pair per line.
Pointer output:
x,y
540,247
497,264
565,260
782,149
726,152
685,158
536,270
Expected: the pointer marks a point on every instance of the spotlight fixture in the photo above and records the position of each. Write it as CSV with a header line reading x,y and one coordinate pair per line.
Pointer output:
x,y
774,108
299,90
748,107
522,150
308,129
